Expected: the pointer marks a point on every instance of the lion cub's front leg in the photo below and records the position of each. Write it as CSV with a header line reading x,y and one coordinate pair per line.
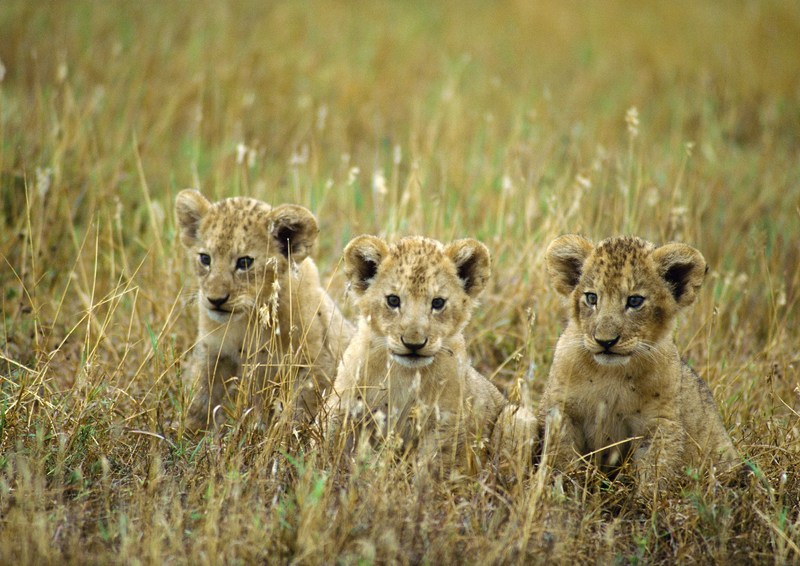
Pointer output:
x,y
660,453
514,435
209,376
562,439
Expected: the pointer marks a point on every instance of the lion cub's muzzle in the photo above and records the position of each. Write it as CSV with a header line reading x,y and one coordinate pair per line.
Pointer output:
x,y
413,353
218,303
606,350
219,309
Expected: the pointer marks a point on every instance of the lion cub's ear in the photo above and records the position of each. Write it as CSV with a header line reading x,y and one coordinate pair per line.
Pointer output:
x,y
565,257
683,268
190,208
294,230
472,261
362,256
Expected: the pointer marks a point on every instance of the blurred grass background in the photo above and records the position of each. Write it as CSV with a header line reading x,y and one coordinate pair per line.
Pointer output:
x,y
512,122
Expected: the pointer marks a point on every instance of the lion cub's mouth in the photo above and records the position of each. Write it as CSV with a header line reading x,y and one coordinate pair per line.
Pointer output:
x,y
607,358
221,315
412,360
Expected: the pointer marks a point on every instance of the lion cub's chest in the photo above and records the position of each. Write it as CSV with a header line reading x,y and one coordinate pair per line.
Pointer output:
x,y
609,408
410,405
224,339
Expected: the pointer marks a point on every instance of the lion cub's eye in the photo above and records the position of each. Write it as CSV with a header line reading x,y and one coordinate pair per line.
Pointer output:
x,y
591,299
393,301
244,263
205,259
635,301
437,303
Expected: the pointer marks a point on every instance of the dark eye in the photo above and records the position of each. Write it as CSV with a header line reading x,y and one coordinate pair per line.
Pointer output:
x,y
437,303
244,263
591,299
635,301
393,301
205,259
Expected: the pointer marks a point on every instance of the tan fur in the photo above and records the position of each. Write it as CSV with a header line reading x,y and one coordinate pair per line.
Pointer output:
x,y
632,398
434,403
277,324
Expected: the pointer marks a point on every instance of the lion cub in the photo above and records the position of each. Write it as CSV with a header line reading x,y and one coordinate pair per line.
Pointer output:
x,y
405,377
262,312
617,385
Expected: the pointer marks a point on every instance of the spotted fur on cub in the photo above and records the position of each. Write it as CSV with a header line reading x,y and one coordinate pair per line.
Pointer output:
x,y
406,379
264,319
618,390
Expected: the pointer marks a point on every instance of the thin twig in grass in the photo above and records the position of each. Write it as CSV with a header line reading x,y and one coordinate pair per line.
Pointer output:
x,y
154,435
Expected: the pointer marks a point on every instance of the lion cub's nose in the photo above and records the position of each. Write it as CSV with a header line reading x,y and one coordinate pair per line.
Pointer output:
x,y
218,302
414,346
606,344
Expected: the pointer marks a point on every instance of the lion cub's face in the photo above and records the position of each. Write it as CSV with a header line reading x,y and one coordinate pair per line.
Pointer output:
x,y
417,293
239,247
625,292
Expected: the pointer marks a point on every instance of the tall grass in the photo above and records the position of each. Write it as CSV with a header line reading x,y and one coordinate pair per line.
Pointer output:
x,y
501,121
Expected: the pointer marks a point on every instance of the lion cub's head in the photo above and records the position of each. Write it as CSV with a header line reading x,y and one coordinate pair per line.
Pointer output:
x,y
416,294
240,246
624,293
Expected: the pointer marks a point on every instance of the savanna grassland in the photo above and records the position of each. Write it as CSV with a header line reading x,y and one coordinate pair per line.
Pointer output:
x,y
510,122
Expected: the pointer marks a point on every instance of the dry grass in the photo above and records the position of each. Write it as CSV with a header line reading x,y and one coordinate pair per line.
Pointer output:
x,y
501,121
